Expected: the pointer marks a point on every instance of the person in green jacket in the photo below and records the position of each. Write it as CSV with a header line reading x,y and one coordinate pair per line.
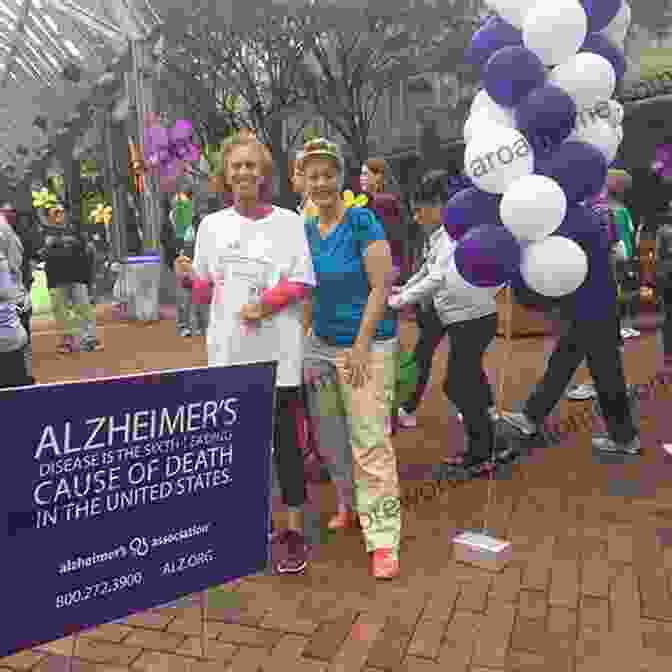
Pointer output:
x,y
626,255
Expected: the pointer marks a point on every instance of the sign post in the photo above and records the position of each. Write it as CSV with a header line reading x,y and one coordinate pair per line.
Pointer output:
x,y
132,492
204,627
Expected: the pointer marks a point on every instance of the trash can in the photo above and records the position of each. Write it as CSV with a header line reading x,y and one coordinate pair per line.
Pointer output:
x,y
138,287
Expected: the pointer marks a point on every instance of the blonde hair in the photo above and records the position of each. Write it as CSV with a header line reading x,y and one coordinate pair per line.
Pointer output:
x,y
246,138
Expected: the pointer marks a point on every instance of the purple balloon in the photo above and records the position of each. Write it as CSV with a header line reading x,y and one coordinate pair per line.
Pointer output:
x,y
492,37
600,45
488,256
469,208
546,116
579,222
580,169
511,74
600,13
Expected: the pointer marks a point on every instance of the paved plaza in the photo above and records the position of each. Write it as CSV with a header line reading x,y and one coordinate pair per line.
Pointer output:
x,y
589,587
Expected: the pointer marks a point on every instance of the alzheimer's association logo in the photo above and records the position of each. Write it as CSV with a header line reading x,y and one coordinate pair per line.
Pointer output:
x,y
139,547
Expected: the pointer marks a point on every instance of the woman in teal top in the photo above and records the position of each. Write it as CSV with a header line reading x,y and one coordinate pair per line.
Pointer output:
x,y
343,294
354,333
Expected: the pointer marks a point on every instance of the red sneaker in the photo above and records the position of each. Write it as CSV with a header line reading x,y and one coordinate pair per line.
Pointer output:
x,y
384,564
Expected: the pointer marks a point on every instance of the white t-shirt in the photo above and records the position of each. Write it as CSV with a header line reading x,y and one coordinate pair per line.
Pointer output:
x,y
245,257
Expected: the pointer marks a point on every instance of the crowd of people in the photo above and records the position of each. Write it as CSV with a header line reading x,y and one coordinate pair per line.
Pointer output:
x,y
337,261
68,258
319,290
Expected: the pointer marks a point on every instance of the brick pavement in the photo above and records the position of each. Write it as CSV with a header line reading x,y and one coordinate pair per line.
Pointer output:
x,y
589,587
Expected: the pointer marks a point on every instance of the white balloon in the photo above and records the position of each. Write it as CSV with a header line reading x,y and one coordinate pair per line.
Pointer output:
x,y
555,266
513,11
599,134
469,128
480,100
555,30
533,207
617,29
496,157
483,103
587,78
497,114
487,115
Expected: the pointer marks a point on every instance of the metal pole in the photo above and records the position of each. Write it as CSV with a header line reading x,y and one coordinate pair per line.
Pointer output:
x,y
72,653
119,205
204,631
150,202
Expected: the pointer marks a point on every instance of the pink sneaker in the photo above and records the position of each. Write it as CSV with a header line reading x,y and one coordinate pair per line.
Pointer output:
x,y
69,345
407,420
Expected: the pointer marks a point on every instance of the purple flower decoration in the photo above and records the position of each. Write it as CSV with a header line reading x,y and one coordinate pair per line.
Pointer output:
x,y
169,149
662,164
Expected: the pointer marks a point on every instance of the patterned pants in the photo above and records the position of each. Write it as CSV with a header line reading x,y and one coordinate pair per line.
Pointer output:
x,y
375,476
72,308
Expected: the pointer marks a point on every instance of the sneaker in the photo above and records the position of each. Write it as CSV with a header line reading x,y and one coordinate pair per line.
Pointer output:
x,y
521,422
185,333
343,520
407,420
472,464
606,445
384,564
69,345
66,345
582,392
297,554
93,346
634,333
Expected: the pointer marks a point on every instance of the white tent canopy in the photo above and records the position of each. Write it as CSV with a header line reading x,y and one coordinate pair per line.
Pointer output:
x,y
39,40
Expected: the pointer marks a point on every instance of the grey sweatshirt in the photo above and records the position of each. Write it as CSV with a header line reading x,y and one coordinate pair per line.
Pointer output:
x,y
454,300
12,295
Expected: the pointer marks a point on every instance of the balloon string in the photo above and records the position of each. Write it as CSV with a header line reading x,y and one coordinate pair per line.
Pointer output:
x,y
501,378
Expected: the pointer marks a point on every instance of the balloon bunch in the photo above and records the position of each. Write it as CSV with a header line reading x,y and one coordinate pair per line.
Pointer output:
x,y
170,150
540,137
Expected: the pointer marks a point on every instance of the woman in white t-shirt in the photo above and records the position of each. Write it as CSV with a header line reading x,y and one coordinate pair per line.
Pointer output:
x,y
257,259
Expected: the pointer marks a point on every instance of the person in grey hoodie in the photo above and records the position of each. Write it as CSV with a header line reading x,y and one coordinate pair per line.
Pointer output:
x,y
467,314
13,337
